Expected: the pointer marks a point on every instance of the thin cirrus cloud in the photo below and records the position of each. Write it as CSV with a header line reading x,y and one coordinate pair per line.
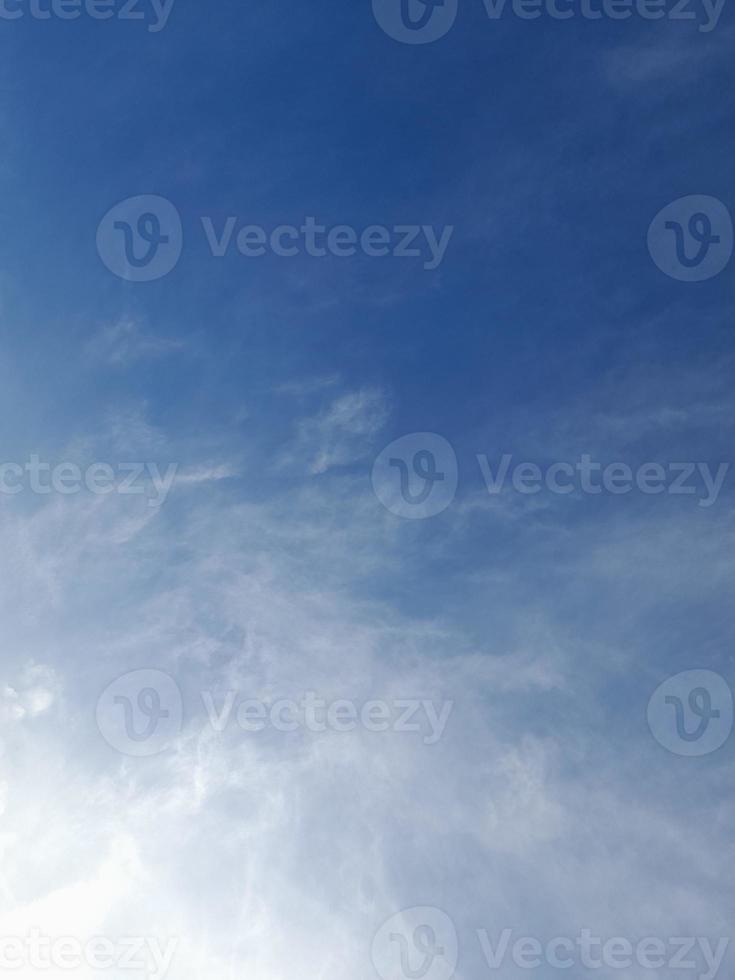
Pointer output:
x,y
341,433
126,342
516,785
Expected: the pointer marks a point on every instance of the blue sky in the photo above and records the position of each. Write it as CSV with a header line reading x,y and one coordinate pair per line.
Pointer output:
x,y
272,385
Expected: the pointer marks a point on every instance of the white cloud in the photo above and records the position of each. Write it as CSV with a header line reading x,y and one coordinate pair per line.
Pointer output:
x,y
32,695
278,856
124,342
340,434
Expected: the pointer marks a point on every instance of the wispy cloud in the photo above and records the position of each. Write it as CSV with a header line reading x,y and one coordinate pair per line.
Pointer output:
x,y
670,59
339,434
125,342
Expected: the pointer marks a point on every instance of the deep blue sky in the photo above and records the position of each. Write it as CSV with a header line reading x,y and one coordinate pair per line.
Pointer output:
x,y
525,136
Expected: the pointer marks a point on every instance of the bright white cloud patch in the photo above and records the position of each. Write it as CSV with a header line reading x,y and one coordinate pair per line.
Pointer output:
x,y
279,854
